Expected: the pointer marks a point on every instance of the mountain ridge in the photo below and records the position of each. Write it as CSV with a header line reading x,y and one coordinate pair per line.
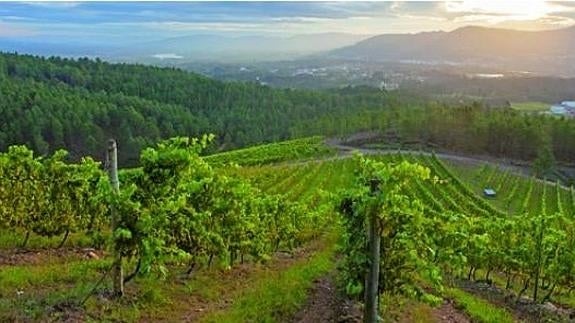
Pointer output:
x,y
197,46
546,51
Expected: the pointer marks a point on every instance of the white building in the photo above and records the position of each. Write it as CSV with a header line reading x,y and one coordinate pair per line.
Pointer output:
x,y
558,109
565,108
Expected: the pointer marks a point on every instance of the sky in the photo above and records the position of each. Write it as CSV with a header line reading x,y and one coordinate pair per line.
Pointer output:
x,y
141,21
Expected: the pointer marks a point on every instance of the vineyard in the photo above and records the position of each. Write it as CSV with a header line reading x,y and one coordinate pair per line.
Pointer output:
x,y
194,231
272,153
523,239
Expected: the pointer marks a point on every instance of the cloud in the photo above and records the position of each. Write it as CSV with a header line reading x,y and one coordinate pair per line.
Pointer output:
x,y
10,30
489,11
303,19
53,4
103,21
167,56
16,18
194,26
544,23
523,15
414,17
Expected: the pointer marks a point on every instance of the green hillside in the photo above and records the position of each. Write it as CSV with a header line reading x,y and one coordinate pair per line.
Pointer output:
x,y
77,105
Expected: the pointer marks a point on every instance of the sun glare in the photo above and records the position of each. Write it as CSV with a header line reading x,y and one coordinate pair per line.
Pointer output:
x,y
515,10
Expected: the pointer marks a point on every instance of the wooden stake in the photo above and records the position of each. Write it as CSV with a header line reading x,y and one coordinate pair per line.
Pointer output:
x,y
117,270
372,279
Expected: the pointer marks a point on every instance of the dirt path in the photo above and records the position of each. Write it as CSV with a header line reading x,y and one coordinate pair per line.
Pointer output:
x,y
448,313
345,151
325,304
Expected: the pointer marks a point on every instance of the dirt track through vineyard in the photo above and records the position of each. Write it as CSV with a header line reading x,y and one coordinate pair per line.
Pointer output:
x,y
448,313
326,304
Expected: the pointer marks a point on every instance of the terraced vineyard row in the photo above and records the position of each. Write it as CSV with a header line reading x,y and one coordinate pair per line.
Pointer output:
x,y
301,182
489,234
308,180
273,153
518,194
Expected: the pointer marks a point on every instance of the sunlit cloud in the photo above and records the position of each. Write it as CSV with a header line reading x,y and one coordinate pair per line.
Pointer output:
x,y
408,16
494,12
528,9
131,20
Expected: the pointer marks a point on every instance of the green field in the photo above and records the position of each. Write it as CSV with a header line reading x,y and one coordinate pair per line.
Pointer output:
x,y
530,106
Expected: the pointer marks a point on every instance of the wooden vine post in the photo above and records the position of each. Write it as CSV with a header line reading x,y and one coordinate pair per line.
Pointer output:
x,y
372,277
117,270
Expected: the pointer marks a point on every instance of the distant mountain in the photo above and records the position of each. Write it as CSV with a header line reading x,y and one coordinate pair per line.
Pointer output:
x,y
213,47
55,47
549,52
223,47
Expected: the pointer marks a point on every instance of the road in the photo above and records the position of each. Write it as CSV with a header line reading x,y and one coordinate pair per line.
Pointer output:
x,y
345,151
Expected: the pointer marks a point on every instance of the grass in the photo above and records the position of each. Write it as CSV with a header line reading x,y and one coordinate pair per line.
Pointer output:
x,y
530,106
29,292
33,277
478,309
51,291
396,308
278,295
14,238
417,312
54,291
421,313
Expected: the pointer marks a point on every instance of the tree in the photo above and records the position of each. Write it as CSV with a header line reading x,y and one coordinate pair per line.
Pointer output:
x,y
545,160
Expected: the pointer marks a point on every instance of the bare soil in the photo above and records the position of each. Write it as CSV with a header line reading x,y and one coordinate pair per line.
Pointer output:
x,y
16,257
523,310
448,313
326,304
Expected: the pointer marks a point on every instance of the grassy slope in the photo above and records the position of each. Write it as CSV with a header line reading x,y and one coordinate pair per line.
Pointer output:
x,y
54,289
530,106
296,149
278,295
478,309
